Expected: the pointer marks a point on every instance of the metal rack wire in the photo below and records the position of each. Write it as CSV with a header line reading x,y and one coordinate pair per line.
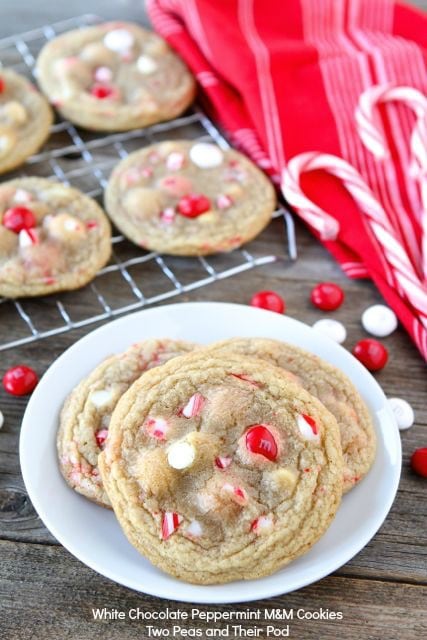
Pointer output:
x,y
84,160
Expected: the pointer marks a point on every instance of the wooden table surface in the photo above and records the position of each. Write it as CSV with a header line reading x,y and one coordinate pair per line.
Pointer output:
x,y
45,593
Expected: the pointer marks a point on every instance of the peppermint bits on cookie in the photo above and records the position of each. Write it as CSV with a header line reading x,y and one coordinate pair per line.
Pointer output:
x,y
178,197
229,475
114,77
308,428
170,523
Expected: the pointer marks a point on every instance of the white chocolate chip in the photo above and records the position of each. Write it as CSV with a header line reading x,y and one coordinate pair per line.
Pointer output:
x,y
100,398
194,529
403,413
146,65
181,455
206,155
119,40
7,140
21,195
1,419
331,328
65,226
14,113
379,320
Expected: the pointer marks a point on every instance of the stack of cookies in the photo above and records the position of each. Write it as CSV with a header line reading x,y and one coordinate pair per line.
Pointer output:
x,y
221,462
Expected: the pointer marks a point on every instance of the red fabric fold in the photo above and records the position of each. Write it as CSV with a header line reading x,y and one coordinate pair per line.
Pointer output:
x,y
283,78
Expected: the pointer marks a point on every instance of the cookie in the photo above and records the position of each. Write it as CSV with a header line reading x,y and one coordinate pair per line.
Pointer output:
x,y
114,77
333,388
25,120
86,413
221,469
189,198
52,238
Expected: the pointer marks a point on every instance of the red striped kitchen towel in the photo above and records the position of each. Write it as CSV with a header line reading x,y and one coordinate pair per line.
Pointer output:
x,y
329,98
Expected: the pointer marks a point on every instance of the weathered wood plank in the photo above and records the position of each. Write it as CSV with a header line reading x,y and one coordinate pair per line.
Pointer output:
x,y
45,593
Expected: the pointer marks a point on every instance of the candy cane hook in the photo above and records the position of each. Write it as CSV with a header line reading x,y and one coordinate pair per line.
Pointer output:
x,y
372,135
398,267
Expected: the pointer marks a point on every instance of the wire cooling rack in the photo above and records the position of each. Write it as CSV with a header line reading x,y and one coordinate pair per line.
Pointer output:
x,y
84,160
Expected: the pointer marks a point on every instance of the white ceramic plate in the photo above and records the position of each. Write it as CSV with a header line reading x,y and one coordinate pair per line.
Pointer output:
x,y
92,533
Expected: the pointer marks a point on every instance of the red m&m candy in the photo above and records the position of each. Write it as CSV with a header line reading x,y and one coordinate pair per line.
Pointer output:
x,y
268,300
371,353
193,205
17,219
260,440
20,380
102,91
327,296
2,85
419,462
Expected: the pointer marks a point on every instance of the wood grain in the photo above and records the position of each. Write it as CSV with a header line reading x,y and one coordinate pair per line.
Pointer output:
x,y
47,594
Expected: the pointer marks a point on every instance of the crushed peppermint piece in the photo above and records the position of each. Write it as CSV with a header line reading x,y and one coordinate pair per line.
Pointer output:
x,y
28,238
100,437
308,427
223,201
170,523
223,462
194,406
157,427
175,161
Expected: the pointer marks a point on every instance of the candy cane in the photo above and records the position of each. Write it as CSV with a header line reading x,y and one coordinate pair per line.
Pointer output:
x,y
372,135
398,267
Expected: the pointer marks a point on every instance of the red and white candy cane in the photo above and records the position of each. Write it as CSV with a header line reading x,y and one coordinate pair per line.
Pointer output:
x,y
398,268
372,135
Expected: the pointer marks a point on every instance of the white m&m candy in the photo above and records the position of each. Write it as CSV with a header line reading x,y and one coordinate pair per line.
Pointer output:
x,y
331,328
206,155
146,65
1,420
181,455
379,320
403,412
120,40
